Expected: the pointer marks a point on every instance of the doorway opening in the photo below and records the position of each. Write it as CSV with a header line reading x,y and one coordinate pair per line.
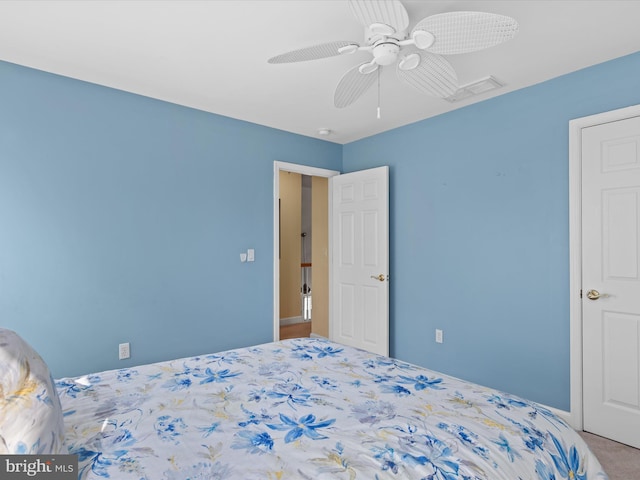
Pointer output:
x,y
297,228
301,251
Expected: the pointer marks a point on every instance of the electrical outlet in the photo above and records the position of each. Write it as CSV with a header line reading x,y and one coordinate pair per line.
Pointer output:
x,y
439,336
123,351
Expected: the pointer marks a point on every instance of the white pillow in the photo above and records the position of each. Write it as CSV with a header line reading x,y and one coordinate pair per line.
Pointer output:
x,y
30,414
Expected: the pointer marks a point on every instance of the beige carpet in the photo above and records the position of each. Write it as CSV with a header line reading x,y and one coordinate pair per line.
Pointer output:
x,y
621,462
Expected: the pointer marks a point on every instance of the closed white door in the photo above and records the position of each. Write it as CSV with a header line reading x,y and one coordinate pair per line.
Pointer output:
x,y
360,260
611,279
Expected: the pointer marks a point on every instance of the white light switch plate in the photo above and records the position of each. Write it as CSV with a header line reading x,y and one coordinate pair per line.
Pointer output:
x,y
251,255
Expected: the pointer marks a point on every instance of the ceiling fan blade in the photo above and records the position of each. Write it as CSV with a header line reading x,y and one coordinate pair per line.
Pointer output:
x,y
315,52
388,12
464,32
434,75
352,85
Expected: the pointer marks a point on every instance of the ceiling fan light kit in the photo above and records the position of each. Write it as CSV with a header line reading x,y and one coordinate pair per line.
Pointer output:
x,y
367,68
423,39
382,29
385,53
418,55
409,62
349,49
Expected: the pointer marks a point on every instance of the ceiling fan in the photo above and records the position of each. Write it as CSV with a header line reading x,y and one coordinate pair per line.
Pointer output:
x,y
417,54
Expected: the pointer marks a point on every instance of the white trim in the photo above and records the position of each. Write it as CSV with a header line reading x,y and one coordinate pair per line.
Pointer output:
x,y
304,170
575,274
575,250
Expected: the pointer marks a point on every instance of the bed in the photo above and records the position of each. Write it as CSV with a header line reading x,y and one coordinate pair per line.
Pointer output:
x,y
308,409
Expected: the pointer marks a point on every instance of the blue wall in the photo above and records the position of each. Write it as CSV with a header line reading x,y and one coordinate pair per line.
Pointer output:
x,y
122,219
480,230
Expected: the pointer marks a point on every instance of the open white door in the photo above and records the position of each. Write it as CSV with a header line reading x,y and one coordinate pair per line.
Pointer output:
x,y
359,303
611,279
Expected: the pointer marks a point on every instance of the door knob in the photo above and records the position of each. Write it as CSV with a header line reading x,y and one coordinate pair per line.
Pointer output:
x,y
595,295
380,277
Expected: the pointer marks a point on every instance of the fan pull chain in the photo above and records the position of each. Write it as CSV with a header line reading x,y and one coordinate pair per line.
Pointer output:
x,y
378,92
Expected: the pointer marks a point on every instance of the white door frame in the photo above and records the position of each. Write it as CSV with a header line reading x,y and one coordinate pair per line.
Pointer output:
x,y
304,170
575,249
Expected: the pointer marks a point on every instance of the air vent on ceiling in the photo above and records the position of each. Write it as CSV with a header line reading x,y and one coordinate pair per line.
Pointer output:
x,y
475,88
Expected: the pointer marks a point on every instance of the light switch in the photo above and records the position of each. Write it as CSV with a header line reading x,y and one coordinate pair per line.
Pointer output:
x,y
251,255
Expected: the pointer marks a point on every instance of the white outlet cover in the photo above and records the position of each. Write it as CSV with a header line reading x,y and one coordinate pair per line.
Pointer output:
x,y
123,351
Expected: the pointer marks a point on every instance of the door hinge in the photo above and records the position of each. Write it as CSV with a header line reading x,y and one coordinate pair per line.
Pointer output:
x,y
580,293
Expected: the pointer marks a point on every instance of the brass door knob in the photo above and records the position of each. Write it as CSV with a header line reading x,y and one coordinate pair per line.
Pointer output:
x,y
595,295
380,277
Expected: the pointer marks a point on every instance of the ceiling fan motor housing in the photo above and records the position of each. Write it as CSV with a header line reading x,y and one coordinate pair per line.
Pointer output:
x,y
386,53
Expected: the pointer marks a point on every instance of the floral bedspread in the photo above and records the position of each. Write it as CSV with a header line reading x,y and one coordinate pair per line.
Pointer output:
x,y
309,409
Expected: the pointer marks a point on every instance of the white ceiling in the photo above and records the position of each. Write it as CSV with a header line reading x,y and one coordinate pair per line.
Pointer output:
x,y
212,55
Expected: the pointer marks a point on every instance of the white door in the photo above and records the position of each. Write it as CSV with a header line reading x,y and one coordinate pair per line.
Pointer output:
x,y
611,269
359,302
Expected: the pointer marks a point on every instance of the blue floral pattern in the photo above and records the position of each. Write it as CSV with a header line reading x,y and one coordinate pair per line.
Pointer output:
x,y
310,408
